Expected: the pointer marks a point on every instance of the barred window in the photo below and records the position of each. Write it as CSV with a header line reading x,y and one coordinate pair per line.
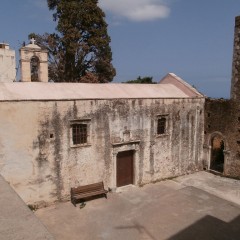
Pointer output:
x,y
79,133
161,125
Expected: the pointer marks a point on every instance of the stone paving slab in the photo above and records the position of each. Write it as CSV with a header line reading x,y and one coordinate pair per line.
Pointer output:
x,y
165,210
17,222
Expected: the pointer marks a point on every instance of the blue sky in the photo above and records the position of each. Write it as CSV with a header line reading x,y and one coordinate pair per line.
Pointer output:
x,y
193,39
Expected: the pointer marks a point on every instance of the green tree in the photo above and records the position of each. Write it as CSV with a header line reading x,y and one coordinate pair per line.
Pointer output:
x,y
79,51
146,80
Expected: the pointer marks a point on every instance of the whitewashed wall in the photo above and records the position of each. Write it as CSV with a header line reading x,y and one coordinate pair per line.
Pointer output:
x,y
43,169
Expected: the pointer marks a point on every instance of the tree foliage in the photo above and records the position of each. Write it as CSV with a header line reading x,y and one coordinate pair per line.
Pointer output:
x,y
146,80
79,51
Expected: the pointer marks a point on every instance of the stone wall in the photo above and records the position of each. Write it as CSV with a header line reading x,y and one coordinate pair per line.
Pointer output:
x,y
7,64
39,161
222,118
235,86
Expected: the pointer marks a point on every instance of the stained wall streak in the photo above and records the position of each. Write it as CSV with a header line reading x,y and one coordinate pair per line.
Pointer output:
x,y
57,154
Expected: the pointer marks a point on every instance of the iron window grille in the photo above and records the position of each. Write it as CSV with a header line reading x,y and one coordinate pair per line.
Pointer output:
x,y
79,133
161,125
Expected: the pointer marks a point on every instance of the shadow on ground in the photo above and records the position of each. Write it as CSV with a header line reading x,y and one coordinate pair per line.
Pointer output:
x,y
207,228
140,229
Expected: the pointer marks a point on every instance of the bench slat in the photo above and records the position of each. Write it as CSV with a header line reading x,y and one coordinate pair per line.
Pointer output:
x,y
89,194
95,190
92,191
90,185
84,188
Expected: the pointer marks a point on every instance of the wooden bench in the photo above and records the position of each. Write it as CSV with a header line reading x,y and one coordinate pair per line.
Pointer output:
x,y
87,191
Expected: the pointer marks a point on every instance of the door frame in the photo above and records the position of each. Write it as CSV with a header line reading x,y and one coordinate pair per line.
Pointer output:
x,y
132,163
122,147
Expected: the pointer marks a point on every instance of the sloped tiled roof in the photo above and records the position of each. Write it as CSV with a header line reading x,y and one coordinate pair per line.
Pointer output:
x,y
27,91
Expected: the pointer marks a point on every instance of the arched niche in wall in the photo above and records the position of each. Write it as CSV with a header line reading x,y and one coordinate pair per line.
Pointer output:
x,y
217,150
34,65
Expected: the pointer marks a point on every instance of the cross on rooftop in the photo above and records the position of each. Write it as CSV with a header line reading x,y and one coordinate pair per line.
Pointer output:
x,y
32,40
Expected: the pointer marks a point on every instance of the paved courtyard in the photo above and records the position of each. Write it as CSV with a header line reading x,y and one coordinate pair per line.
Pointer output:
x,y
17,222
199,206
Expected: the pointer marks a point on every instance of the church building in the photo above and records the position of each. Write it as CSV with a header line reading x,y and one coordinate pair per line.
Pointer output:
x,y
54,136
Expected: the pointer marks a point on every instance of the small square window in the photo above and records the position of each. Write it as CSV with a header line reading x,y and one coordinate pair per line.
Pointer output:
x,y
79,132
161,125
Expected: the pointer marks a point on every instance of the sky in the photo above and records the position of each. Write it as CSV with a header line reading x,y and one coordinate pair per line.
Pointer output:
x,y
191,38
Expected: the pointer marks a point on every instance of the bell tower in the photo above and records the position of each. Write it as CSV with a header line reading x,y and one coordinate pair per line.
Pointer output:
x,y
235,85
34,63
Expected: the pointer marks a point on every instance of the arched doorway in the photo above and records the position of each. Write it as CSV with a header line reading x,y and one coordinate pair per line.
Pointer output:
x,y
34,64
217,153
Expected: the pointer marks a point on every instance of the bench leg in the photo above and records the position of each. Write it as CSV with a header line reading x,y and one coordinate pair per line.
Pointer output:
x,y
73,202
105,195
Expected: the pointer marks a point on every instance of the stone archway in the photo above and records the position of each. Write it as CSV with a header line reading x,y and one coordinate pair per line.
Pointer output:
x,y
217,158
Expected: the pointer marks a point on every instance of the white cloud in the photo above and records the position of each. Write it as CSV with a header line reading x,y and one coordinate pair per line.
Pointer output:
x,y
136,10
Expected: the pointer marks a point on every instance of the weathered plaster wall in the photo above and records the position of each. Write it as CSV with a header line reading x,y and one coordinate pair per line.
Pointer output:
x,y
37,158
222,117
7,64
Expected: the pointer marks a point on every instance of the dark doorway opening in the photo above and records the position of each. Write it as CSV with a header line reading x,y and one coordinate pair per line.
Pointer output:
x,y
125,168
217,154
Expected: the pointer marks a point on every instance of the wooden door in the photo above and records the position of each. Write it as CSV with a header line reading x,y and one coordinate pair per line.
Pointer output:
x,y
125,168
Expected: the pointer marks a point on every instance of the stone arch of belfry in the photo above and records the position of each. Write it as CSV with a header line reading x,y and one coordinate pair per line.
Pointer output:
x,y
29,52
